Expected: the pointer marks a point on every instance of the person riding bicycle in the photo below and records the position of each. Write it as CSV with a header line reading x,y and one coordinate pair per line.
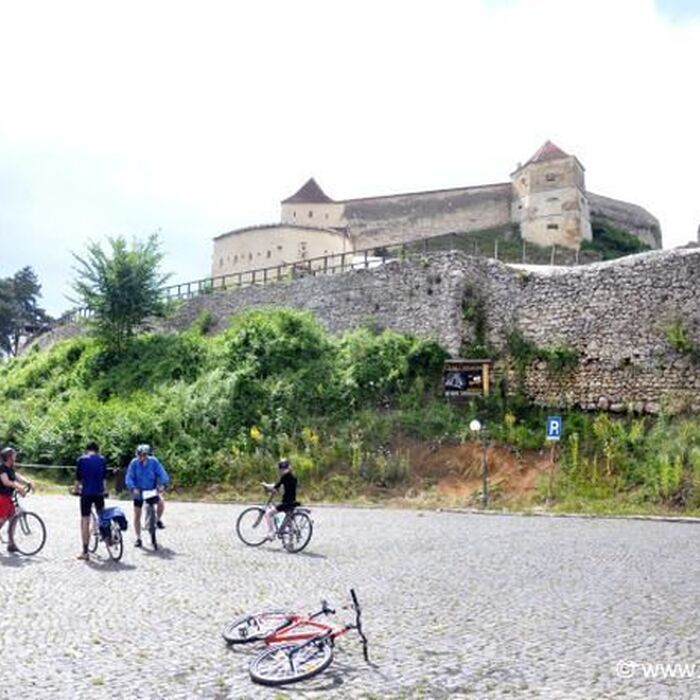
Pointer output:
x,y
10,481
146,473
90,476
288,482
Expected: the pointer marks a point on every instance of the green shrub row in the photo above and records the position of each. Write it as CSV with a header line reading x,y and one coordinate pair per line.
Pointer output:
x,y
223,409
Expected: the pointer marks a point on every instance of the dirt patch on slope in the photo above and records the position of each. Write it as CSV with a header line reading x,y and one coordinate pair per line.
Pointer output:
x,y
455,471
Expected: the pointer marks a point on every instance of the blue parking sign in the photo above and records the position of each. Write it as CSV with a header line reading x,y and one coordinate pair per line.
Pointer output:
x,y
554,428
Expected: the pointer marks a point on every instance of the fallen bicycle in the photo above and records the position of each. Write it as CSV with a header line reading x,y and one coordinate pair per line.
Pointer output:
x,y
298,647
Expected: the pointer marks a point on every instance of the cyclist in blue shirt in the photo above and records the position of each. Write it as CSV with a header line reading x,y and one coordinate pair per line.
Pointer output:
x,y
146,473
90,478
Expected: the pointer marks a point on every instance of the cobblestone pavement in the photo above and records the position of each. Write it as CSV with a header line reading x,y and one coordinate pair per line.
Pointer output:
x,y
455,606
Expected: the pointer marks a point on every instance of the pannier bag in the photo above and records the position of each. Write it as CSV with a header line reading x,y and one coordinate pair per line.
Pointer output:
x,y
116,514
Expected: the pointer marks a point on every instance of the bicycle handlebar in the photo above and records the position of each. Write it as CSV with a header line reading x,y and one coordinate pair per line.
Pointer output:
x,y
28,489
326,610
358,623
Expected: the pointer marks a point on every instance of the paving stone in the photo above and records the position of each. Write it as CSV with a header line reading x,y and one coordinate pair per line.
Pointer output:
x,y
455,606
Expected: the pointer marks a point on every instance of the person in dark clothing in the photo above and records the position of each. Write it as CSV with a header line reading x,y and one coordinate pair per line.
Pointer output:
x,y
288,481
10,481
90,476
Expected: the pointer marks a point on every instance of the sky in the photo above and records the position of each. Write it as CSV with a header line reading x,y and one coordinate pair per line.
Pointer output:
x,y
193,119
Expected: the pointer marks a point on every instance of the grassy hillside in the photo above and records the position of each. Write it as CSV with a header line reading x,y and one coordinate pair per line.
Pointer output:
x,y
507,244
360,415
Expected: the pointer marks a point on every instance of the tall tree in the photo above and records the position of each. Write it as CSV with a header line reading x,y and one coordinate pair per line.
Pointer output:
x,y
20,315
120,287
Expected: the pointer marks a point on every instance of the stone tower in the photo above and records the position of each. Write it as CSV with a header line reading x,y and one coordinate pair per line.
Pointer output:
x,y
550,201
311,206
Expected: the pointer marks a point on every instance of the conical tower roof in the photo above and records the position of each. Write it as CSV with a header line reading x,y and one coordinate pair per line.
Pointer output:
x,y
310,193
547,151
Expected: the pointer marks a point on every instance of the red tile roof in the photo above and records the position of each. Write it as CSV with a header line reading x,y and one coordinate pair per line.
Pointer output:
x,y
310,193
548,151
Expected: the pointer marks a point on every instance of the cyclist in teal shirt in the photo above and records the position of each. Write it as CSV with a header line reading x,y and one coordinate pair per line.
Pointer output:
x,y
146,473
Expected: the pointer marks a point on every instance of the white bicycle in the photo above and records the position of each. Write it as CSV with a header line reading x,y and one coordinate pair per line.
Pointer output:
x,y
150,499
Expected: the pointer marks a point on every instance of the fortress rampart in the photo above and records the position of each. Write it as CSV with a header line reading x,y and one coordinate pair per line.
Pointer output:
x,y
545,200
615,315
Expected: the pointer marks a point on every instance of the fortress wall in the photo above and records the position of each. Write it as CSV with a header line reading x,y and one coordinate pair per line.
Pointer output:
x,y
260,247
322,214
631,217
388,220
615,315
403,296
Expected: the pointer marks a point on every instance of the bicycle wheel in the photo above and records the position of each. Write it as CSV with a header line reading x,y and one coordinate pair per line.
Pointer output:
x,y
28,532
151,519
254,628
297,532
94,540
291,663
115,543
251,526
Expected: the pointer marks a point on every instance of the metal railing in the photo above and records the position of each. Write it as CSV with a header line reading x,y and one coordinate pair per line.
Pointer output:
x,y
368,258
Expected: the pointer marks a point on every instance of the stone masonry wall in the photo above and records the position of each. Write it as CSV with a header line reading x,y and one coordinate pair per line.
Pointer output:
x,y
615,315
630,217
405,296
389,220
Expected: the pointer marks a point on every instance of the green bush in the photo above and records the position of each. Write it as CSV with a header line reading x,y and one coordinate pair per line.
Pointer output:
x,y
611,242
221,408
679,339
224,409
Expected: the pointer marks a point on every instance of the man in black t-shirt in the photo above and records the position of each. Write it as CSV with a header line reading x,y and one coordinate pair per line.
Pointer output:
x,y
288,481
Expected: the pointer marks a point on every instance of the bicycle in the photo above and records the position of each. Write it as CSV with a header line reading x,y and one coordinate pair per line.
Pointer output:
x,y
151,517
26,529
105,527
295,530
298,646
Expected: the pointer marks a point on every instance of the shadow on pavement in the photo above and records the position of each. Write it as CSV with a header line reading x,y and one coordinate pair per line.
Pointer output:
x,y
16,560
331,679
161,552
108,565
310,555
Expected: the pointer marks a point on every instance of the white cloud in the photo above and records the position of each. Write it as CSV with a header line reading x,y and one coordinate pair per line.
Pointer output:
x,y
142,116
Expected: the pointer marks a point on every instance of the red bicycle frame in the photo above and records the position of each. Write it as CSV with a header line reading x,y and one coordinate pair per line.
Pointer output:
x,y
297,630
303,628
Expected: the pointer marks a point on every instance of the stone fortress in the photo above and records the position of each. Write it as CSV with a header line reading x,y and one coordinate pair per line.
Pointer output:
x,y
545,199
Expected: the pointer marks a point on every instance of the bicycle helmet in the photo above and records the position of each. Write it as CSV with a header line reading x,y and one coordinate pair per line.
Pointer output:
x,y
6,452
284,464
144,449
